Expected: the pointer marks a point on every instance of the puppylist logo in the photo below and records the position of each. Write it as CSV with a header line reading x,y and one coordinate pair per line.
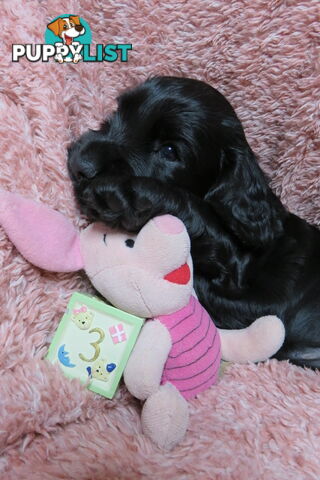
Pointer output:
x,y
68,40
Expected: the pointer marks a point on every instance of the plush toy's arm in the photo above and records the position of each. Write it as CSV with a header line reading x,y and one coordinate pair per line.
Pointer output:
x,y
143,372
256,343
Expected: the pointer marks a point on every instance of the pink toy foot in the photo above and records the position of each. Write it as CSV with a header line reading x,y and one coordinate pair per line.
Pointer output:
x,y
165,417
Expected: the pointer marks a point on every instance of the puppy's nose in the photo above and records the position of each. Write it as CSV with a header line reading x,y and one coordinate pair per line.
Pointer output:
x,y
78,28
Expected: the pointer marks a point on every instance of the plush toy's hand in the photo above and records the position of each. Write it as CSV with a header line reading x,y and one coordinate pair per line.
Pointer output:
x,y
143,372
256,343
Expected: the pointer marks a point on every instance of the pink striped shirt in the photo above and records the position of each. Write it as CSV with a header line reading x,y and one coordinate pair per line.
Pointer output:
x,y
194,359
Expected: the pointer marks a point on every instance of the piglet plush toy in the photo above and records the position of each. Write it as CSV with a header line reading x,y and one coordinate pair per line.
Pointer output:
x,y
178,352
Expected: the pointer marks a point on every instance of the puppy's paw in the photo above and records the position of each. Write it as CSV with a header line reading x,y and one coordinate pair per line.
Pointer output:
x,y
143,204
58,58
120,204
77,57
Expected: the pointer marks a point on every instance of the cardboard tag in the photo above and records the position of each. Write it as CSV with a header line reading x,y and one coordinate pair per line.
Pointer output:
x,y
93,342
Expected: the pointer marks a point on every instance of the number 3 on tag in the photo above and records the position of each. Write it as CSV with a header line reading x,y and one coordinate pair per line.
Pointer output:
x,y
95,345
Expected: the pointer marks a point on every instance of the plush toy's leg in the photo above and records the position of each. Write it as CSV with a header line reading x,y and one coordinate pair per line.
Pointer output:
x,y
165,417
256,343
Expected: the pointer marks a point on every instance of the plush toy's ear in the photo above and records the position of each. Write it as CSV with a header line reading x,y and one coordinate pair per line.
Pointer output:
x,y
43,236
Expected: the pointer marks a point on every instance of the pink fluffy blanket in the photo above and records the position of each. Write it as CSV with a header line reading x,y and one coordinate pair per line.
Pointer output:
x,y
261,422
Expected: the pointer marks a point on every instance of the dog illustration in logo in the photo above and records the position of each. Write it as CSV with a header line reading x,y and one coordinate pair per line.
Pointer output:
x,y
67,28
101,370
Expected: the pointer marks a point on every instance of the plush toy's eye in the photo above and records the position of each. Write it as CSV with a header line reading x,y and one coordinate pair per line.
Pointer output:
x,y
105,238
168,152
129,242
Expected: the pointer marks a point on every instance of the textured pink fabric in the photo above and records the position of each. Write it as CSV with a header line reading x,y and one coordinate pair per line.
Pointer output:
x,y
42,235
260,422
194,359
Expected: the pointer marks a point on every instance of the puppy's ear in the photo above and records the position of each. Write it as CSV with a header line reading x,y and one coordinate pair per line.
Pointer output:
x,y
242,198
55,26
75,19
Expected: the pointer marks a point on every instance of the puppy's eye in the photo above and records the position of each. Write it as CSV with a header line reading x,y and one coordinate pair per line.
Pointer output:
x,y
168,152
65,27
129,242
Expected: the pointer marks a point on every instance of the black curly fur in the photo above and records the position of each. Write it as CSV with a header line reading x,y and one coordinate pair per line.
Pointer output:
x,y
175,145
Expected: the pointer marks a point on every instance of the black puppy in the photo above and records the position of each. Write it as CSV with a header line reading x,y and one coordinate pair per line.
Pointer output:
x,y
175,145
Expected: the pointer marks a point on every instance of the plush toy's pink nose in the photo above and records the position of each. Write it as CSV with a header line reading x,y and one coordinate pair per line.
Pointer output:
x,y
169,224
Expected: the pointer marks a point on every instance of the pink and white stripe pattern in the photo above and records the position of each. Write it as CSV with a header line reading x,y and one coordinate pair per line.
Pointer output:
x,y
193,362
